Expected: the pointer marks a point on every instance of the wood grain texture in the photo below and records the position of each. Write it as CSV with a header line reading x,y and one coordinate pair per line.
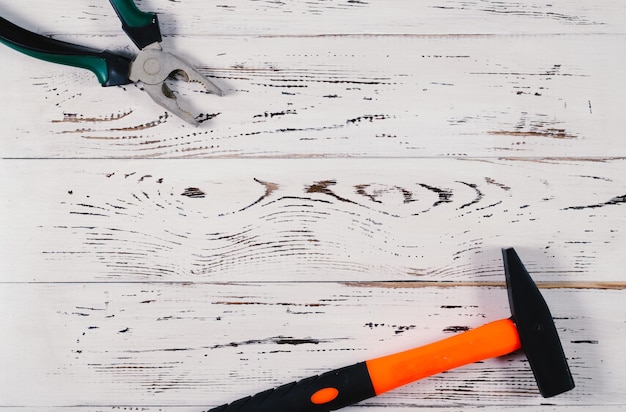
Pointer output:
x,y
346,199
289,220
356,96
300,17
205,344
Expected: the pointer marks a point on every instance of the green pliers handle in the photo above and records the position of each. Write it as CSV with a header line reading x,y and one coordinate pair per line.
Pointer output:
x,y
109,68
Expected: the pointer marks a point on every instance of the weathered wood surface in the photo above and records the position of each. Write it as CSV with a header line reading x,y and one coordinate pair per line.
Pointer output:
x,y
202,344
347,198
357,96
292,220
313,17
321,79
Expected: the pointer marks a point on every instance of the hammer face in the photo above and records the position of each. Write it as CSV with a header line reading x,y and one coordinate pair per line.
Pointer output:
x,y
539,338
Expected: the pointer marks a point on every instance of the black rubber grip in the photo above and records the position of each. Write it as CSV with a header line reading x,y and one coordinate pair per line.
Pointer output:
x,y
145,35
327,392
142,28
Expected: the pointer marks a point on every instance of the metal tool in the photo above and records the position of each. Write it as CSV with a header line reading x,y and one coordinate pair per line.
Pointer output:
x,y
151,66
531,327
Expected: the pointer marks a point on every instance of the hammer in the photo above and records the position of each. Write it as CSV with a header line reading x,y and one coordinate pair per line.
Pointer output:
x,y
530,327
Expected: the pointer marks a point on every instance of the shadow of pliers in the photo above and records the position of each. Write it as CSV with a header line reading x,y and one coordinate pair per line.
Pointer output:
x,y
152,66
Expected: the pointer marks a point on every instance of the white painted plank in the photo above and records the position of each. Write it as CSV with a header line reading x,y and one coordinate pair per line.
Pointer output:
x,y
198,345
251,17
391,96
285,220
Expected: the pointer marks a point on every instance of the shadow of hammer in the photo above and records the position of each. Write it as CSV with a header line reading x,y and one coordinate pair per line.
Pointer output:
x,y
530,327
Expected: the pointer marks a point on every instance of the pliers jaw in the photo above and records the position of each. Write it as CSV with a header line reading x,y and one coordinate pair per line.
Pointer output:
x,y
153,67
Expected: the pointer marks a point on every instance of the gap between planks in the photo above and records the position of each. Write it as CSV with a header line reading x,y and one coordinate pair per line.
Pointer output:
x,y
401,284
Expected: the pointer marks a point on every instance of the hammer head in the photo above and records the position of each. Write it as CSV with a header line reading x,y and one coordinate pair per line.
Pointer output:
x,y
536,329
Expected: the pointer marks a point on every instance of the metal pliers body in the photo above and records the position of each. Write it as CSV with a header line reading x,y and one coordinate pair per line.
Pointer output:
x,y
152,66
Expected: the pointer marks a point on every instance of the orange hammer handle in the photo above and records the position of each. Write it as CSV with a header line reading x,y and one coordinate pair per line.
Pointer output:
x,y
345,386
488,341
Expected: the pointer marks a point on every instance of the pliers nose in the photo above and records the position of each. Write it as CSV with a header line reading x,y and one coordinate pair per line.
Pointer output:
x,y
153,67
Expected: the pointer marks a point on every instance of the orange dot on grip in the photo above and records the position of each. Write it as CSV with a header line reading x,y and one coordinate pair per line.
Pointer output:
x,y
324,396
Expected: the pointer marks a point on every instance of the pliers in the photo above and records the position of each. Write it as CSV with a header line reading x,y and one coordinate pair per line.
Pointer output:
x,y
151,66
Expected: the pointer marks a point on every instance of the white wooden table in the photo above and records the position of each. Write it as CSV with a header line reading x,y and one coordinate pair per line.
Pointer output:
x,y
347,198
